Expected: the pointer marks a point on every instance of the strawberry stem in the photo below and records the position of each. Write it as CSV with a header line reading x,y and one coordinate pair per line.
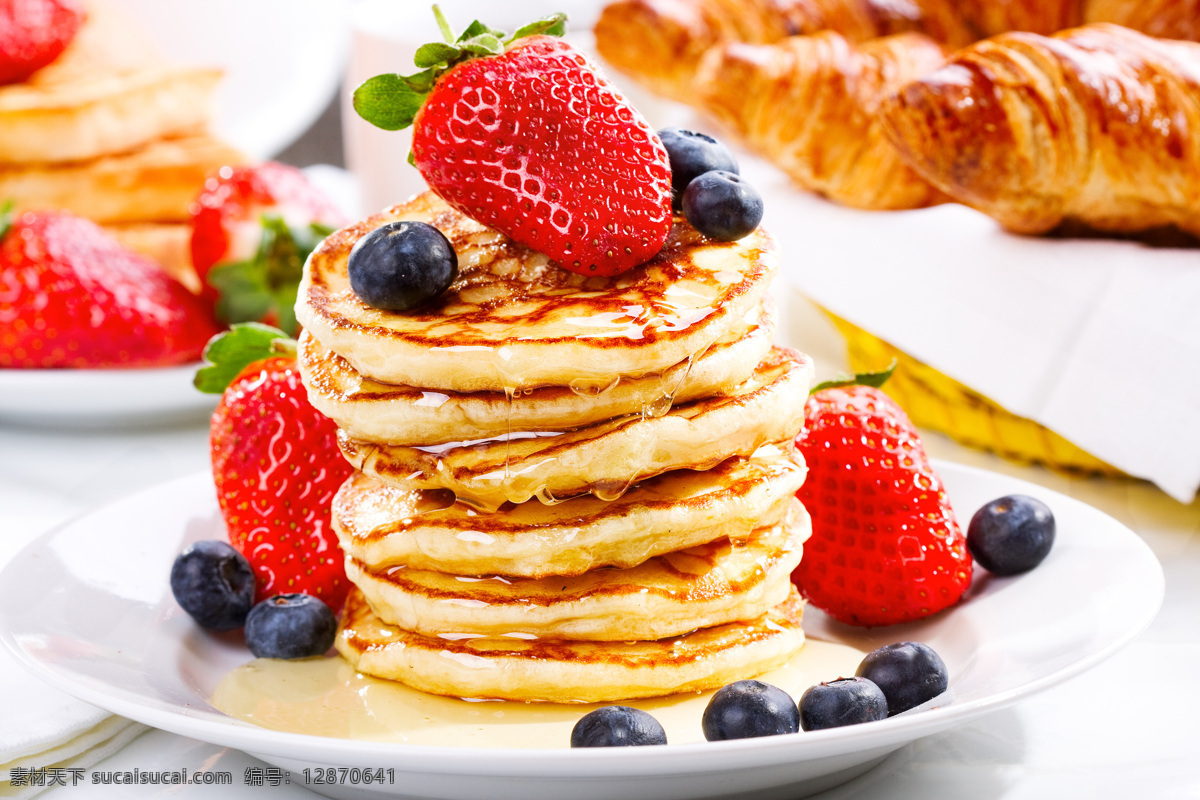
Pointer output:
x,y
391,101
875,379
447,33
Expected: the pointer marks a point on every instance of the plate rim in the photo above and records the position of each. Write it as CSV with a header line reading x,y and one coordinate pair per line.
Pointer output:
x,y
592,762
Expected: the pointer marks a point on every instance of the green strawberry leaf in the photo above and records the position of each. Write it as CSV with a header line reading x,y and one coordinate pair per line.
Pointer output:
x,y
477,28
434,53
228,353
485,44
875,379
391,101
553,25
6,217
265,286
420,82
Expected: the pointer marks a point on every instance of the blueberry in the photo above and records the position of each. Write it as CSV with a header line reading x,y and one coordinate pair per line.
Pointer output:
x,y
722,206
693,154
617,726
846,701
1011,534
214,584
290,626
402,265
908,673
747,709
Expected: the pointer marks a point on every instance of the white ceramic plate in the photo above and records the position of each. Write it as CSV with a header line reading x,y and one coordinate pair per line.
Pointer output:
x,y
283,60
87,607
102,397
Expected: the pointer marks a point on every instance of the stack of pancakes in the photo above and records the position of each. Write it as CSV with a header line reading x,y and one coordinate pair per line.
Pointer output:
x,y
569,488
114,133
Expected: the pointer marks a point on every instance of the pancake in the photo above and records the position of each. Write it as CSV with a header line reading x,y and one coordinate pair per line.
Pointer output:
x,y
103,114
668,595
608,457
380,412
155,183
569,671
382,526
514,320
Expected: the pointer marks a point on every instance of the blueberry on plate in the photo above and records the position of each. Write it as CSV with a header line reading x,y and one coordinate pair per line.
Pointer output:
x,y
617,726
846,701
746,709
402,265
908,673
691,155
722,206
214,584
1011,534
290,626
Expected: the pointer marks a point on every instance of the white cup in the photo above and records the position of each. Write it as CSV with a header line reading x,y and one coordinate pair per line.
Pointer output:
x,y
385,37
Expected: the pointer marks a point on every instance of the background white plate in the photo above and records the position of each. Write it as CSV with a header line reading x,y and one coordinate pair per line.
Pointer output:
x,y
102,397
87,607
283,60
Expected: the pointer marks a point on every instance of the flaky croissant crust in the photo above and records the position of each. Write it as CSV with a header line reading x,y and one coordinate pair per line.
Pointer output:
x,y
660,42
808,103
1096,124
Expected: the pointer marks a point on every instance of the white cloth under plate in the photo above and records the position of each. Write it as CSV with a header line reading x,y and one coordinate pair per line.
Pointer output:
x,y
1096,339
41,726
79,753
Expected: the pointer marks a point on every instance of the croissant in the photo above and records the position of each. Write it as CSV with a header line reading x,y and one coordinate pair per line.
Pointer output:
x,y
808,103
660,42
1168,19
1095,125
991,17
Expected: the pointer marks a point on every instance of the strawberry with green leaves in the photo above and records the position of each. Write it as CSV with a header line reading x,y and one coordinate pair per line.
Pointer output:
x,y
276,464
252,228
524,134
72,296
885,546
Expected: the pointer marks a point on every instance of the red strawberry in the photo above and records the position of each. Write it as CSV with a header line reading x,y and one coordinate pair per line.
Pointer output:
x,y
252,229
71,296
526,136
33,33
276,465
885,546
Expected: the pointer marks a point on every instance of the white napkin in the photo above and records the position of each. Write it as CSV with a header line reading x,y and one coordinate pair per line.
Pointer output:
x,y
41,726
77,753
1096,339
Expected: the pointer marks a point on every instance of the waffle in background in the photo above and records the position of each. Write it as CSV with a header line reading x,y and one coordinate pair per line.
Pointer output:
x,y
116,133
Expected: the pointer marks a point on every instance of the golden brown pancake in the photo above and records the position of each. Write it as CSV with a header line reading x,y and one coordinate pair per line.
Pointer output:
x,y
514,320
668,595
608,457
382,525
155,183
378,412
103,114
569,671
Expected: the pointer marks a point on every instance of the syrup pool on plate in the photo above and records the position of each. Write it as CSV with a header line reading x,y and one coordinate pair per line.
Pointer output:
x,y
327,697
